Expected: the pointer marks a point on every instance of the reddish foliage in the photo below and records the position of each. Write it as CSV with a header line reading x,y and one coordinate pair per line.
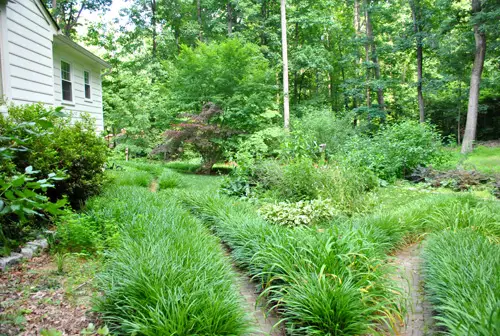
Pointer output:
x,y
201,132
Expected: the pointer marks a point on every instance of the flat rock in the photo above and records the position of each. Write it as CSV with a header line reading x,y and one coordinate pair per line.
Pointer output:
x,y
41,243
13,259
27,252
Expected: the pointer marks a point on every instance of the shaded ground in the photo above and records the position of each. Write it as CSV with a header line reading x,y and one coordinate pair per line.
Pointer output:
x,y
418,321
34,296
263,323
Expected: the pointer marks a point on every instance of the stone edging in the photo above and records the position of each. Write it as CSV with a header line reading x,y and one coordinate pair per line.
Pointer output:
x,y
27,252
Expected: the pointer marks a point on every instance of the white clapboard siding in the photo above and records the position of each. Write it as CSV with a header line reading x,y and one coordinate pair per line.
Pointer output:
x,y
31,56
29,44
80,104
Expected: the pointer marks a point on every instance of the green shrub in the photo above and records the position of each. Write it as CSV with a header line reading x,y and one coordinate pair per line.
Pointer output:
x,y
298,213
462,275
59,145
169,179
396,150
78,233
168,274
323,126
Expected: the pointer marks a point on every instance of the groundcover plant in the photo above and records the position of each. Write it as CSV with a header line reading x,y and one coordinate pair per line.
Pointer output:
x,y
168,275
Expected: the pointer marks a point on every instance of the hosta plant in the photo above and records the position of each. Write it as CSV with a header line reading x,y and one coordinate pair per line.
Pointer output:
x,y
299,213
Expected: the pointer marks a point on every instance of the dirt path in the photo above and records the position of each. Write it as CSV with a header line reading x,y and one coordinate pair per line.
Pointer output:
x,y
418,321
154,186
263,324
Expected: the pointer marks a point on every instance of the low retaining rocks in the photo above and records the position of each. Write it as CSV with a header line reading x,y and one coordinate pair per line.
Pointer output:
x,y
27,252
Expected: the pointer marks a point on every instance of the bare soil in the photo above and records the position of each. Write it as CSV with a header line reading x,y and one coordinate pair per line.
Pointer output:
x,y
34,296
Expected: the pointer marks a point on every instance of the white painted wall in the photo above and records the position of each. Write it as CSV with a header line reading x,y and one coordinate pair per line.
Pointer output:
x,y
28,54
30,62
80,104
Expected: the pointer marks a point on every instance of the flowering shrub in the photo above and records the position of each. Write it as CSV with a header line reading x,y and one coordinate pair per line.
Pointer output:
x,y
299,213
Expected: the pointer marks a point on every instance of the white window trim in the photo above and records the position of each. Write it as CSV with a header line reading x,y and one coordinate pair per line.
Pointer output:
x,y
89,100
72,81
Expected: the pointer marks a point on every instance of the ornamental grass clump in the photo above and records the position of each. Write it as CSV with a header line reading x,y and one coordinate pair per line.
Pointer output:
x,y
324,282
169,179
168,274
462,275
131,178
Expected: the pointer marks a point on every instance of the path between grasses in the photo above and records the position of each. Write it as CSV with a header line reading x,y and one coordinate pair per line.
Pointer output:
x,y
418,321
263,322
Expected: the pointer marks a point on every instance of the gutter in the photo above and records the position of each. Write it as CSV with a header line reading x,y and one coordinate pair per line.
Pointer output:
x,y
70,43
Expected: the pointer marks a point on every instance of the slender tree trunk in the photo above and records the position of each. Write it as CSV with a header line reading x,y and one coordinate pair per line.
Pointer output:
x,y
229,18
153,27
416,15
54,4
459,121
367,56
475,82
198,15
374,57
284,47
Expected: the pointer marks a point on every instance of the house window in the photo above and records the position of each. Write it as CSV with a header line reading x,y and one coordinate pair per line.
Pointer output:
x,y
86,78
67,85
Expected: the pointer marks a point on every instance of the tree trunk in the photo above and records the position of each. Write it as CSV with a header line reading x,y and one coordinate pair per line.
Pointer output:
x,y
54,4
359,61
459,121
153,27
367,56
475,82
229,18
284,47
200,22
416,15
374,57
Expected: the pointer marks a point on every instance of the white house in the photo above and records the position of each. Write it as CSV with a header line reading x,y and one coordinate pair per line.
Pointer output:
x,y
40,64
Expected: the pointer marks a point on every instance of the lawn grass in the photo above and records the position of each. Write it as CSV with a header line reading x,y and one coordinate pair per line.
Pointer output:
x,y
168,274
484,159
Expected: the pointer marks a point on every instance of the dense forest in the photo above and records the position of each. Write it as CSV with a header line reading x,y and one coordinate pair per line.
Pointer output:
x,y
376,61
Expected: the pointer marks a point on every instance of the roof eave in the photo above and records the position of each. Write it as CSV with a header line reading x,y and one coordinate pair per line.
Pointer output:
x,y
69,42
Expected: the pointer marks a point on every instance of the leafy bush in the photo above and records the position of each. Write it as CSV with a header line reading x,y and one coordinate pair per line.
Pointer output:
x,y
59,145
322,126
23,201
298,213
78,233
222,92
168,274
169,179
462,274
395,150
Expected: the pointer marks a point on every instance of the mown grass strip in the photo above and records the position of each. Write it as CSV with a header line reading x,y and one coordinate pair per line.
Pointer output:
x,y
462,274
168,275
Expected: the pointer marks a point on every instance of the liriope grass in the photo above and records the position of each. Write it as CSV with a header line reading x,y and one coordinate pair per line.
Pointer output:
x,y
169,179
324,282
131,178
462,274
168,274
